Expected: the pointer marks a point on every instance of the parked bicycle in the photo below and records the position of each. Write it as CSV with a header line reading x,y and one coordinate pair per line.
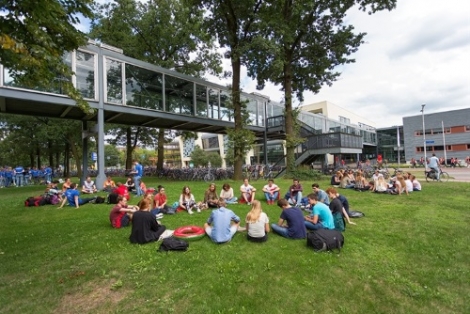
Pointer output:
x,y
209,177
431,175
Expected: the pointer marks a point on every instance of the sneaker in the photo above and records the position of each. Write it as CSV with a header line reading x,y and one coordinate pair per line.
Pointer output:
x,y
190,212
159,216
248,203
198,210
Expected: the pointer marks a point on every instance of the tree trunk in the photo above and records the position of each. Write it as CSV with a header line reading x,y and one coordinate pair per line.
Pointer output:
x,y
31,159
237,150
289,120
38,153
161,149
76,155
51,155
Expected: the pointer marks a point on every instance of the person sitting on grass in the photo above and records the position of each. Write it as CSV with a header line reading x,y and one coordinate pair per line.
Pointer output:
x,y
336,179
415,182
143,187
380,185
210,196
291,222
130,184
145,227
66,185
248,192
408,183
257,223
321,217
321,195
337,210
294,196
160,202
109,185
72,195
271,192
122,190
361,183
227,195
89,186
187,200
399,186
121,213
222,224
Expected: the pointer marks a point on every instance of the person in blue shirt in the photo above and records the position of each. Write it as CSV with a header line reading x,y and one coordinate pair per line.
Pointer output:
x,y
138,172
72,196
293,217
321,217
321,195
222,224
8,176
48,174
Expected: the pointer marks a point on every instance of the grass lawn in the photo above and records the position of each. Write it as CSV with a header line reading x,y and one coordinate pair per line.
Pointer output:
x,y
410,254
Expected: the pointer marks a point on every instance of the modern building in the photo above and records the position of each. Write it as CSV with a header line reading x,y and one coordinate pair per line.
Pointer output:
x,y
446,134
391,143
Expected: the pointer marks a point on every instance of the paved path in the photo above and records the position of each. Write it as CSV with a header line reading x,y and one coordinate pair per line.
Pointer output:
x,y
459,174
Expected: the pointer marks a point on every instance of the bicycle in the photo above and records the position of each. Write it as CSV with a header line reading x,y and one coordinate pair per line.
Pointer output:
x,y
431,175
209,177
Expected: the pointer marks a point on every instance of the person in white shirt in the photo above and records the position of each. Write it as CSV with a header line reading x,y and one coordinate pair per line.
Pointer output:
x,y
89,186
248,192
434,165
271,192
227,194
257,223
408,183
416,184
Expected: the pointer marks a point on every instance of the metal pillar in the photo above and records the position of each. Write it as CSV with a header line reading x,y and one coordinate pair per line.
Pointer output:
x,y
101,177
84,152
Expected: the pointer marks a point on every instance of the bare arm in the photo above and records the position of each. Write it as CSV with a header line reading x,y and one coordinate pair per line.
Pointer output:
x,y
345,214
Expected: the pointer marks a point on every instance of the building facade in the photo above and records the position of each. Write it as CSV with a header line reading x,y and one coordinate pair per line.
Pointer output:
x,y
447,134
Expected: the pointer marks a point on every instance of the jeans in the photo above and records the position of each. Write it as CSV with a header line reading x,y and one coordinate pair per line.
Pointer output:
x,y
19,179
298,199
27,179
436,173
280,230
138,190
311,226
270,197
232,200
48,177
233,230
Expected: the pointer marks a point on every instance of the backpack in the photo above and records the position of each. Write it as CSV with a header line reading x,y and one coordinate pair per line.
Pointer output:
x,y
35,201
99,200
112,198
173,244
356,214
52,199
338,219
325,240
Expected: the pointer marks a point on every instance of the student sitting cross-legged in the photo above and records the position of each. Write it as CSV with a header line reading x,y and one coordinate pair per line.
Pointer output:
x,y
222,224
257,223
321,217
294,219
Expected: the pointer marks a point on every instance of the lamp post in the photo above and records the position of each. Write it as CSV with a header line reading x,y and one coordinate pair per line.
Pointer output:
x,y
424,135
398,144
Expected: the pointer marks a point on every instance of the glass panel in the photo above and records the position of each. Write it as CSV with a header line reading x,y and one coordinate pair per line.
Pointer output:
x,y
201,101
85,74
250,108
213,104
226,111
179,95
143,88
114,81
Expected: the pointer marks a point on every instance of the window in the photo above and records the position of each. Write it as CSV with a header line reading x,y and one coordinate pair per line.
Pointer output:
x,y
448,147
437,131
468,146
467,128
419,149
419,133
428,131
439,147
447,130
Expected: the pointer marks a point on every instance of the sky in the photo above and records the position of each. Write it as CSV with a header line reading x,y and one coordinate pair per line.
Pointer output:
x,y
416,54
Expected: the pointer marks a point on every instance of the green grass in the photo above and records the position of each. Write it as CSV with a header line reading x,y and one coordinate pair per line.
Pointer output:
x,y
408,255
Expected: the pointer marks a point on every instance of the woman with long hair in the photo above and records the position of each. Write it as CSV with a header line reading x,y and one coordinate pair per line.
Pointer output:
x,y
257,223
210,196
187,200
227,194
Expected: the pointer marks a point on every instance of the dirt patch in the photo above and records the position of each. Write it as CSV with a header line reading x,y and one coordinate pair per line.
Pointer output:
x,y
96,297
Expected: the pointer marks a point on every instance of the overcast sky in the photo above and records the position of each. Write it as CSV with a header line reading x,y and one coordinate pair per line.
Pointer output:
x,y
418,53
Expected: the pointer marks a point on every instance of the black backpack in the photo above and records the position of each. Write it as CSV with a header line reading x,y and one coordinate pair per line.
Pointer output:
x,y
112,198
325,240
173,244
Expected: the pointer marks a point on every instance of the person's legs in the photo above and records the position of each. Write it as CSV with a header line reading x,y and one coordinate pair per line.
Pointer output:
x,y
83,201
137,185
125,221
268,196
280,230
233,230
299,198
311,226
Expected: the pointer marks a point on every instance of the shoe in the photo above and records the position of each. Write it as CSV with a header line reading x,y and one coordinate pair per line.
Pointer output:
x,y
159,216
248,204
198,210
190,212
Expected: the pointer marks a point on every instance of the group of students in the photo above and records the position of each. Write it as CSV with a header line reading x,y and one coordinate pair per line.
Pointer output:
x,y
402,183
20,176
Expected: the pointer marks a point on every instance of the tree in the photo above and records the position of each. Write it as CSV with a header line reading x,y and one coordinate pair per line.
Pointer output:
x,y
35,35
166,33
302,43
235,22
198,156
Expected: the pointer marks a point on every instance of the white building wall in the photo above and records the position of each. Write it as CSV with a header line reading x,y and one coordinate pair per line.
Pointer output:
x,y
335,112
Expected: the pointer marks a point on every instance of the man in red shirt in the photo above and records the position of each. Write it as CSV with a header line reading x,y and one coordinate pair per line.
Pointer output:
x,y
122,190
121,214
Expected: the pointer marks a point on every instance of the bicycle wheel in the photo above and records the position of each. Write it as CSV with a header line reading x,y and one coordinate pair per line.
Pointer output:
x,y
444,177
209,178
428,179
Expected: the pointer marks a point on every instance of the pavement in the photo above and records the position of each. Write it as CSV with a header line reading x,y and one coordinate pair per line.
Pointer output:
x,y
458,174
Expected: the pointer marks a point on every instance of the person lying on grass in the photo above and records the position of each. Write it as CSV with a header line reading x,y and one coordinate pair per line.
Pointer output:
x,y
257,223
145,227
294,219
121,213
222,224
73,197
